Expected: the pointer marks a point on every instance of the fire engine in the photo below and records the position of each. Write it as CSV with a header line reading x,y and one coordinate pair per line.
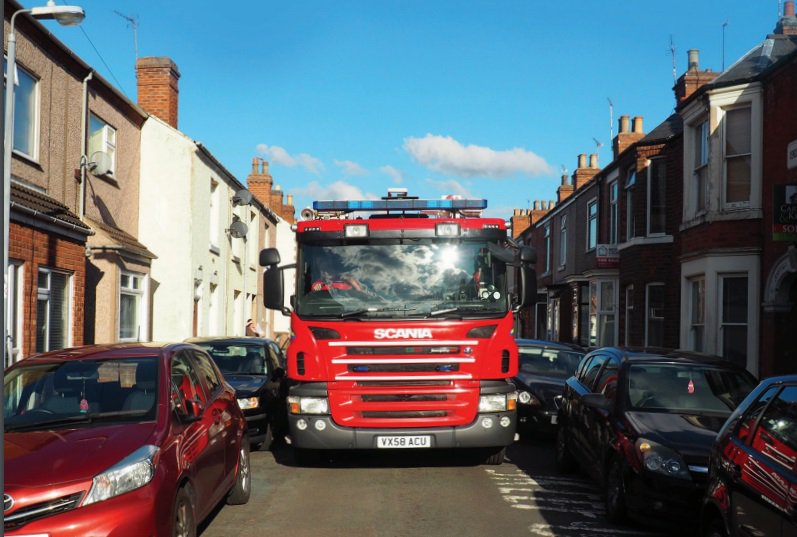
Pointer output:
x,y
402,325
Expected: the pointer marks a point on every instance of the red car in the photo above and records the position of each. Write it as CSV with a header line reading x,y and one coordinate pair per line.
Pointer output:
x,y
120,440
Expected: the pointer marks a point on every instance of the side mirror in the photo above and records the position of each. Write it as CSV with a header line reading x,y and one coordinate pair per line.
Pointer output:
x,y
528,278
278,374
269,256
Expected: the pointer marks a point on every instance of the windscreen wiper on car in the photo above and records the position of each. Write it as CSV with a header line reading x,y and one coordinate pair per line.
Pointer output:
x,y
72,419
364,311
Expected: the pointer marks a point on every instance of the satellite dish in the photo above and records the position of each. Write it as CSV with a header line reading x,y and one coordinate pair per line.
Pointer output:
x,y
242,197
238,229
100,163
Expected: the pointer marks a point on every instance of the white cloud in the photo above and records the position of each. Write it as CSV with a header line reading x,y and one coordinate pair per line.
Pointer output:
x,y
278,155
351,168
451,187
339,190
446,155
394,173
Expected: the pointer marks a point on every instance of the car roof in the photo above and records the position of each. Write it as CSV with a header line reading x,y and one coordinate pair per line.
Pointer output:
x,y
235,340
522,342
642,355
108,351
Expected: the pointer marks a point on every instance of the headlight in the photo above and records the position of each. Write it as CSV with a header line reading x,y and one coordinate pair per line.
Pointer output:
x,y
308,405
527,398
248,403
132,472
661,460
493,403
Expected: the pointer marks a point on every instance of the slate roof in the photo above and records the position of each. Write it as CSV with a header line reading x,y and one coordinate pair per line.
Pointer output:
x,y
670,127
758,61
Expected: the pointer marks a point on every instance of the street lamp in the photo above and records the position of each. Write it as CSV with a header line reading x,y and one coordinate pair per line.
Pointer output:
x,y
67,16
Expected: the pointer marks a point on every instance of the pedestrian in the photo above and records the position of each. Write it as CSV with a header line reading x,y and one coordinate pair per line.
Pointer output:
x,y
253,329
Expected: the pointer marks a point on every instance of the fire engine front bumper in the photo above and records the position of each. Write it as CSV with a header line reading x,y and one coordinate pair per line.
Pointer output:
x,y
494,429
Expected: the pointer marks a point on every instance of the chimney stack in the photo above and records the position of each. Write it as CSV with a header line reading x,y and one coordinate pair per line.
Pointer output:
x,y
627,137
157,87
787,25
261,185
693,79
583,174
566,189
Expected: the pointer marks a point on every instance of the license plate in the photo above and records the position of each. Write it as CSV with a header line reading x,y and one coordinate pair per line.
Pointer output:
x,y
408,441
554,419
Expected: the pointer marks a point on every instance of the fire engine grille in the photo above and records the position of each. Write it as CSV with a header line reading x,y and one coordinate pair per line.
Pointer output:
x,y
388,384
402,368
40,510
401,351
404,397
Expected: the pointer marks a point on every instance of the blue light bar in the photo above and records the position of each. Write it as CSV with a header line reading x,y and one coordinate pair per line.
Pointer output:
x,y
399,204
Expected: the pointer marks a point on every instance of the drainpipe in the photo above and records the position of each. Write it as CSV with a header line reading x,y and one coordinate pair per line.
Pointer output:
x,y
84,159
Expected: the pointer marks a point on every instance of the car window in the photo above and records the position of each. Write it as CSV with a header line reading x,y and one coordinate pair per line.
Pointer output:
x,y
275,353
119,389
548,362
607,380
687,387
755,410
776,436
237,359
591,371
207,374
186,380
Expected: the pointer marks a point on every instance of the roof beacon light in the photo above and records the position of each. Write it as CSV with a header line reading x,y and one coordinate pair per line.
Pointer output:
x,y
447,229
356,231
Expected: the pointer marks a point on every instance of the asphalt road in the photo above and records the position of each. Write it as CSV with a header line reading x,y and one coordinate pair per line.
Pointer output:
x,y
417,494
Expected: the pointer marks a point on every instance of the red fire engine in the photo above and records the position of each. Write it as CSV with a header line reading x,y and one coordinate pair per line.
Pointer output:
x,y
401,321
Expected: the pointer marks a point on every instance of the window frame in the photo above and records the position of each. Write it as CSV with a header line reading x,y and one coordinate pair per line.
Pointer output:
x,y
107,143
140,294
701,158
649,317
592,225
651,177
614,211
746,107
629,312
722,322
546,233
697,323
563,241
34,109
45,294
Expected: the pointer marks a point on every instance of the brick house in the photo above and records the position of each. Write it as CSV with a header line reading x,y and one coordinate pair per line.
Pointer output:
x,y
692,209
74,198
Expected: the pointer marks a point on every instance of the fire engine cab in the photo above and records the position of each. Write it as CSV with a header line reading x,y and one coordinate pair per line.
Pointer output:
x,y
401,318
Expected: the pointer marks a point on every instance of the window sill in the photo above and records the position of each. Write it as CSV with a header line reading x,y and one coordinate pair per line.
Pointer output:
x,y
214,249
645,241
726,215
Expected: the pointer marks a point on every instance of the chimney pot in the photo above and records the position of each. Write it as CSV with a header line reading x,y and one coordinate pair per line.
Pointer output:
x,y
290,199
637,125
536,205
593,160
694,59
255,165
582,160
788,8
623,124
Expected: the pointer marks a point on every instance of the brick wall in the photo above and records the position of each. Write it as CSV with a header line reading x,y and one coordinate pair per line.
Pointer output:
x,y
35,249
157,87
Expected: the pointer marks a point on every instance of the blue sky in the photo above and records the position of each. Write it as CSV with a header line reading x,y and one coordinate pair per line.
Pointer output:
x,y
345,99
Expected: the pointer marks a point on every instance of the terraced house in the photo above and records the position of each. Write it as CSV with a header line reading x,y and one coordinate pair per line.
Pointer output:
x,y
687,238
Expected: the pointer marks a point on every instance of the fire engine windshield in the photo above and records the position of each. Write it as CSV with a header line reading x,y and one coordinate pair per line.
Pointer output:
x,y
418,278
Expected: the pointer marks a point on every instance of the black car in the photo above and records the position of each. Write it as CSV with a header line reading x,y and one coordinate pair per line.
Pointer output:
x,y
255,367
752,486
544,367
642,424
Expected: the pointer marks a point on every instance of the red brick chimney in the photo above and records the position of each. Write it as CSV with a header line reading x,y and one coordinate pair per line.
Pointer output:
x,y
157,87
693,79
261,185
522,219
787,25
566,189
583,174
626,137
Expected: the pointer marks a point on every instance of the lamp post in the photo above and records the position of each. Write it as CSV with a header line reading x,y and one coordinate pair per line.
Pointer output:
x,y
67,16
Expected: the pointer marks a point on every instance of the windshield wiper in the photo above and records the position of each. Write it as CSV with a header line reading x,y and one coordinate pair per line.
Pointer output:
x,y
362,311
75,418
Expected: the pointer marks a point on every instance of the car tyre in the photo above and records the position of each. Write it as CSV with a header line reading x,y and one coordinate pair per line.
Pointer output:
x,y
184,524
616,507
242,489
565,462
496,458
